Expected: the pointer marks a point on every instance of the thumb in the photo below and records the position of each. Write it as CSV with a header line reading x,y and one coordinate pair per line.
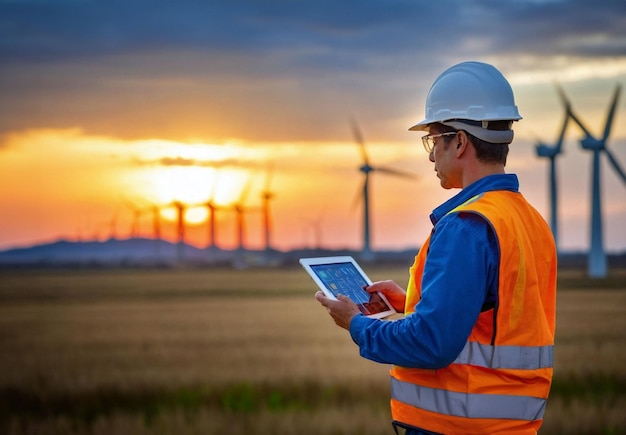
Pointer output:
x,y
343,298
321,298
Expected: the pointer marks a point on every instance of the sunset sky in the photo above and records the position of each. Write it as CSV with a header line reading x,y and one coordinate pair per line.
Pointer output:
x,y
112,105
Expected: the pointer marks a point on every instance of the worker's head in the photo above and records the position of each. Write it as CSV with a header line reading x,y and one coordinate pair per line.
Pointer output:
x,y
475,98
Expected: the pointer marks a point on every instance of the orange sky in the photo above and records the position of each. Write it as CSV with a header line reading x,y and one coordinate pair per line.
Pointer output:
x,y
105,105
82,187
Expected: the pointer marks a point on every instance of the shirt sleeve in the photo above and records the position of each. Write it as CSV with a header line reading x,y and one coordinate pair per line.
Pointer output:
x,y
460,271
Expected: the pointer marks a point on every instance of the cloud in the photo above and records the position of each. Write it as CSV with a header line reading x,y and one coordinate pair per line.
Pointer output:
x,y
274,70
41,31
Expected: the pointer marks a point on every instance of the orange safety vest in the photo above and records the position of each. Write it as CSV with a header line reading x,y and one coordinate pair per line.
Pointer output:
x,y
500,381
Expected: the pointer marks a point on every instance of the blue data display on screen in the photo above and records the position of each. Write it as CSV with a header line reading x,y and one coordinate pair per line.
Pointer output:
x,y
343,278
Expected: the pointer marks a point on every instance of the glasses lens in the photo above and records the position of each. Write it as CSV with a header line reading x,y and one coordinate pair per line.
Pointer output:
x,y
429,140
429,143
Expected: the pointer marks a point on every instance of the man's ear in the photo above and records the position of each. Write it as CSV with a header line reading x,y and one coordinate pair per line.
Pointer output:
x,y
462,142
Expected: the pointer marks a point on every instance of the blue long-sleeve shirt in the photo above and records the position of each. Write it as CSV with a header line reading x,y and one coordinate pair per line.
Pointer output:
x,y
460,279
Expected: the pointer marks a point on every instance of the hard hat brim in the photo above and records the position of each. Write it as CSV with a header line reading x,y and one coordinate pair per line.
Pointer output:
x,y
421,126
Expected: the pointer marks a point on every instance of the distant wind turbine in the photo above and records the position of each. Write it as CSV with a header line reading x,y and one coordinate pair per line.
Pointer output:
x,y
240,211
315,227
156,222
113,225
267,195
180,227
137,212
551,152
366,168
597,265
212,220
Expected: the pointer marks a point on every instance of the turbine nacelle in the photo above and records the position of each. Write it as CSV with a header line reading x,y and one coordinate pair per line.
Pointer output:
x,y
591,143
544,150
366,168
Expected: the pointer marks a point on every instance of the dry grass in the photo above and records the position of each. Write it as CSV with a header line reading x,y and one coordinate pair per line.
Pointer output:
x,y
223,351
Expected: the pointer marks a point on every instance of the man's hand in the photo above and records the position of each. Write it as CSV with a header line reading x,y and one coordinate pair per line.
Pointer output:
x,y
341,310
392,291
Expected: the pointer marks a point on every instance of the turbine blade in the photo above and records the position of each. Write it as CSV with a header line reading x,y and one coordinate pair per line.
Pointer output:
x,y
396,172
559,142
570,112
564,98
615,164
244,192
611,114
358,138
358,198
580,124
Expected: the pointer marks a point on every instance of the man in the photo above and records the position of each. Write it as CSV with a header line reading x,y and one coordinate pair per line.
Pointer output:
x,y
474,352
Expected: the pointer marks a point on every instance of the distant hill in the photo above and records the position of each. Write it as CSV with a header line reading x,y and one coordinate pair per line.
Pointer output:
x,y
113,252
140,252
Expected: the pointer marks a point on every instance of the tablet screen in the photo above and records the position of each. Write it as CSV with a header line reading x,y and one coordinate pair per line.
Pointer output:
x,y
345,279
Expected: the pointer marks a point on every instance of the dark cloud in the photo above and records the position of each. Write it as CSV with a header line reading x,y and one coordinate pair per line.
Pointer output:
x,y
47,30
552,28
114,66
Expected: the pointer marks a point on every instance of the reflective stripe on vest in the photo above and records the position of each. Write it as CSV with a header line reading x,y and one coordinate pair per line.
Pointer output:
x,y
465,404
506,357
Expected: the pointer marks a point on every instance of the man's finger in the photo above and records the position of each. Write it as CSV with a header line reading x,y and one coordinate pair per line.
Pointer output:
x,y
343,298
321,298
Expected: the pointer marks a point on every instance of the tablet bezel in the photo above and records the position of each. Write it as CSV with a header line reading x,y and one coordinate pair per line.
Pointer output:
x,y
315,261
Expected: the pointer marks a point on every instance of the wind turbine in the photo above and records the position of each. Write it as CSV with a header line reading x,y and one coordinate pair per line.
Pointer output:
x,y
212,207
156,221
107,227
180,227
113,225
137,212
366,168
314,226
597,265
267,195
240,211
551,152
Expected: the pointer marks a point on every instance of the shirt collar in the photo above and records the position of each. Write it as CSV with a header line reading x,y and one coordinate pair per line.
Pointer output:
x,y
485,184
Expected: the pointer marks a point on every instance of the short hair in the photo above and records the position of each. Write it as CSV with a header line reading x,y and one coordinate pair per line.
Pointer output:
x,y
488,152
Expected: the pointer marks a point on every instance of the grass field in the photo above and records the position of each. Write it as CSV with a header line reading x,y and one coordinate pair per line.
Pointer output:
x,y
247,351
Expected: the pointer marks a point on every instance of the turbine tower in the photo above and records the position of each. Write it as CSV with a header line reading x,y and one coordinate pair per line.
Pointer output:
x,y
597,265
366,168
551,152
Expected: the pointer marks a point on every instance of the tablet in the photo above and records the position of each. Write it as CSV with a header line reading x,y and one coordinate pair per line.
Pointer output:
x,y
342,275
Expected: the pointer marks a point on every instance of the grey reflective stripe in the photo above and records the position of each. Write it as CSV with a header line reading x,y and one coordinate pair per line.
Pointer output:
x,y
506,357
468,405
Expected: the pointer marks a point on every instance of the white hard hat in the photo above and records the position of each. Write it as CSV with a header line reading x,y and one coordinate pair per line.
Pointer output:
x,y
472,91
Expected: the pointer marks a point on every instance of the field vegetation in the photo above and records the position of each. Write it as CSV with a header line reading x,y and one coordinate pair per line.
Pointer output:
x,y
215,351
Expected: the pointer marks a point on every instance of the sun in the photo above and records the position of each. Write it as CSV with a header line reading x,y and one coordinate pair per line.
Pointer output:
x,y
191,175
